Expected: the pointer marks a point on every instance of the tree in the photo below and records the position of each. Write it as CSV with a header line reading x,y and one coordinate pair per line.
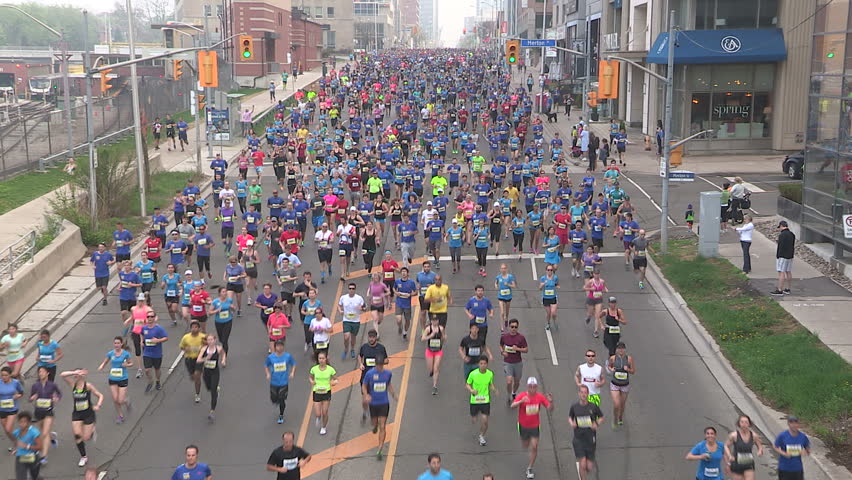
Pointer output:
x,y
16,29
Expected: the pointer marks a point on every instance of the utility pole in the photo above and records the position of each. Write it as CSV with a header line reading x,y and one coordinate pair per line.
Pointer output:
x,y
207,92
137,115
587,83
194,98
90,125
667,129
66,95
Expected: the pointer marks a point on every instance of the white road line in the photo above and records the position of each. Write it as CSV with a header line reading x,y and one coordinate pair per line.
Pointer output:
x,y
514,256
104,474
534,271
720,189
660,209
175,363
711,183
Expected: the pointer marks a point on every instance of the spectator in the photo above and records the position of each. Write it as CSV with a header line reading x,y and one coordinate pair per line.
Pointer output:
x,y
745,241
738,192
784,259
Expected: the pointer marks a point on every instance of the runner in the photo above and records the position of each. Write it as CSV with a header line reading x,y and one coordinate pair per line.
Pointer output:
x,y
276,326
192,469
592,376
791,445
324,238
170,283
435,337
10,391
101,260
628,229
548,284
709,454
585,418
321,328
578,239
210,357
119,361
639,248
481,242
153,337
128,282
378,293
15,342
49,353
367,358
479,309
438,297
610,321
222,310
191,344
234,275
739,448
346,234
552,257
424,279
288,459
529,422
621,367
322,377
435,471
83,415
250,259
403,289
512,345
480,384
375,388
454,237
504,283
595,288
471,347
280,369
44,395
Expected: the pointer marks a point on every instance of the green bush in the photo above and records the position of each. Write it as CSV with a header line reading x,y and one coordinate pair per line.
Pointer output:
x,y
791,191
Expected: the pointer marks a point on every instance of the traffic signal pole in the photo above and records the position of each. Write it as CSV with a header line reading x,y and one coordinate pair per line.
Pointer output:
x,y
137,115
90,126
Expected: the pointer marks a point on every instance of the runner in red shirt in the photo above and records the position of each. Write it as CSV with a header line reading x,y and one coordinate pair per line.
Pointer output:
x,y
152,246
257,159
562,222
389,269
529,404
291,237
199,299
353,181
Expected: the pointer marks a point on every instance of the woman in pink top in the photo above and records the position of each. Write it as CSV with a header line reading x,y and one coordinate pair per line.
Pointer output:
x,y
138,315
377,296
467,206
277,325
242,240
243,163
595,288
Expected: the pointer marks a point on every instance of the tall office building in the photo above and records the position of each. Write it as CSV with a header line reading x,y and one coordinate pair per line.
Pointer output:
x,y
429,21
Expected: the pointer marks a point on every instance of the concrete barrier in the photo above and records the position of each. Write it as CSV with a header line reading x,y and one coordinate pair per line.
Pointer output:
x,y
33,280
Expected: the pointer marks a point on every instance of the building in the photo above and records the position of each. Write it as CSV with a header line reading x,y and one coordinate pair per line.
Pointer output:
x,y
531,16
576,24
409,20
740,70
429,22
375,23
337,20
827,188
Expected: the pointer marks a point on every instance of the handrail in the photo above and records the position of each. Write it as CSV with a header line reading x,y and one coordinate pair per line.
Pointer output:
x,y
16,254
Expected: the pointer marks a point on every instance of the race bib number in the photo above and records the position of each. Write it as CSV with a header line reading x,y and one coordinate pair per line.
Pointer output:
x,y
202,241
549,292
380,387
177,251
614,329
505,292
226,218
319,389
277,332
794,450
279,367
291,241
269,310
147,275
197,308
44,402
210,364
351,315
480,399
171,293
321,345
28,458
628,231
377,300
389,275
45,358
473,351
597,294
233,279
620,375
584,421
435,342
532,409
590,268
341,252
711,472
149,342
116,372
224,315
249,264
509,348
479,319
153,250
370,362
81,405
744,458
119,243
249,219
323,244
640,253
7,403
125,284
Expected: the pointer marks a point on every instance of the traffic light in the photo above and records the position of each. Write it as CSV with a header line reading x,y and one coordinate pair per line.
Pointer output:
x,y
208,70
105,81
246,48
593,99
512,50
608,79
169,37
177,69
464,31
201,103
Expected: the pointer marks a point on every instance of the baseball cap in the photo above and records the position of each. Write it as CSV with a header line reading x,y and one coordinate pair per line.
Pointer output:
x,y
612,300
141,296
249,243
455,220
532,381
197,283
782,223
792,418
188,272
496,204
429,202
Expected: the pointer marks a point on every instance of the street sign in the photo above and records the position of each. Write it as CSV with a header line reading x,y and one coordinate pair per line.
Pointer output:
x,y
533,42
663,167
681,176
847,226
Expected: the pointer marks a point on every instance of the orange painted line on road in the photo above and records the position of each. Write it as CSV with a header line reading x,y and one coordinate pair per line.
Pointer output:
x,y
353,377
343,451
378,269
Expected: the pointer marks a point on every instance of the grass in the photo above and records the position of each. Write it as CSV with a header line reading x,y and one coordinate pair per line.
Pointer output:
x,y
247,91
791,191
781,361
28,186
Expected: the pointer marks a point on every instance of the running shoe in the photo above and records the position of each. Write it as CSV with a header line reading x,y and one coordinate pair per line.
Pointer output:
x,y
530,473
159,387
211,417
352,355
482,441
83,461
776,292
547,327
375,428
379,455
43,461
588,320
786,291
323,431
306,347
641,285
54,440
343,356
197,398
363,418
139,373
280,419
596,334
119,420
103,302
434,390
149,387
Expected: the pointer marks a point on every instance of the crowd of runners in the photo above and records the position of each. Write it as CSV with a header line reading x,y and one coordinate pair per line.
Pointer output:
x,y
396,156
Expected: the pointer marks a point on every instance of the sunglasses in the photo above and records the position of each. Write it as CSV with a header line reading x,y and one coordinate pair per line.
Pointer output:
x,y
351,288
549,269
590,355
152,316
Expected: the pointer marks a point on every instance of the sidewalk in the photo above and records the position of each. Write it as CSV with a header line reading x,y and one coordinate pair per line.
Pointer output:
x,y
75,292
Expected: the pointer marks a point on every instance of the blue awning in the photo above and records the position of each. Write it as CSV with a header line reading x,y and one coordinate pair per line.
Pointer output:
x,y
721,46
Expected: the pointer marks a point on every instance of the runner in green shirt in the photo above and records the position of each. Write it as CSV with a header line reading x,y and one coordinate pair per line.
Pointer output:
x,y
255,195
478,161
374,185
438,182
323,376
480,383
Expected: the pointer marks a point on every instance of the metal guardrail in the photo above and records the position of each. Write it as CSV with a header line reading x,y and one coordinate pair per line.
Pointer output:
x,y
108,138
19,252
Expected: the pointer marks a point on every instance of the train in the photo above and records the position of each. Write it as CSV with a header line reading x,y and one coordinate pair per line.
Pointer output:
x,y
15,78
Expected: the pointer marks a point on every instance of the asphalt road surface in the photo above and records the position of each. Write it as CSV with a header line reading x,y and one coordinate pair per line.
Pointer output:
x,y
673,395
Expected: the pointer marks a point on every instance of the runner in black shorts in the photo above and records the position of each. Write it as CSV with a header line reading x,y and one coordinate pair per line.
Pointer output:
x,y
585,418
83,415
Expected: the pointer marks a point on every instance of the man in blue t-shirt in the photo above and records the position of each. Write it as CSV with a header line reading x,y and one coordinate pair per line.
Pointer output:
x,y
121,239
403,289
153,337
478,309
203,244
101,261
791,445
435,471
280,369
192,470
377,384
128,282
407,233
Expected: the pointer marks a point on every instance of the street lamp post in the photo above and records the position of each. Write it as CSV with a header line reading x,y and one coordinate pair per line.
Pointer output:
x,y
137,116
90,125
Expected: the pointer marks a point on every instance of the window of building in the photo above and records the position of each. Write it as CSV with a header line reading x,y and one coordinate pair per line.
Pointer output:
x,y
219,10
329,12
330,39
320,11
724,14
208,10
733,100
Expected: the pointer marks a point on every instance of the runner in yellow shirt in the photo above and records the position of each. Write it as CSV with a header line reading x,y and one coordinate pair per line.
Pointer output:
x,y
439,297
191,344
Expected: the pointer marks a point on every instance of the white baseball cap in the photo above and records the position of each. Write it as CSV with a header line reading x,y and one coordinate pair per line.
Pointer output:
x,y
188,272
532,381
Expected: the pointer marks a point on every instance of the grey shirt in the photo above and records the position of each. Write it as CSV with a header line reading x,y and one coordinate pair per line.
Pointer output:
x,y
288,285
186,231
640,243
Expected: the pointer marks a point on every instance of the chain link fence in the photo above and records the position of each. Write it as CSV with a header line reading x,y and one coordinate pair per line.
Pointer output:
x,y
32,132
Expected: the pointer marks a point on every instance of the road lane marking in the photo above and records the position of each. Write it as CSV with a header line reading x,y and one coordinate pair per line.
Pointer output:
x,y
660,209
550,344
344,451
514,256
400,404
353,377
303,430
175,363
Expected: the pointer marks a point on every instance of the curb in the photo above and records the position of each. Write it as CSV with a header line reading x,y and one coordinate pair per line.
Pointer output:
x,y
728,378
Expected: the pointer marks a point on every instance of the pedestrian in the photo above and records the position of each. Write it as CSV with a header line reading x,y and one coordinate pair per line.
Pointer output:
x,y
529,405
271,91
784,258
689,216
660,137
738,192
435,471
567,101
791,445
745,232
288,459
530,83
191,469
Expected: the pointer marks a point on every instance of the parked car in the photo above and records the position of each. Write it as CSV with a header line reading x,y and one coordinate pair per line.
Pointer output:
x,y
792,165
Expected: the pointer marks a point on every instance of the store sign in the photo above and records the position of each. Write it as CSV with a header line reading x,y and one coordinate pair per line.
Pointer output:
x,y
731,44
722,112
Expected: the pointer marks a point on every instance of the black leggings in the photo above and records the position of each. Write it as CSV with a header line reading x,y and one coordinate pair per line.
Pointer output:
x,y
481,254
211,383
242,202
368,260
203,263
309,335
518,241
223,331
22,469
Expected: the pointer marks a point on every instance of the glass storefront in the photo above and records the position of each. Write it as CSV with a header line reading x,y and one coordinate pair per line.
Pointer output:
x,y
735,101
827,193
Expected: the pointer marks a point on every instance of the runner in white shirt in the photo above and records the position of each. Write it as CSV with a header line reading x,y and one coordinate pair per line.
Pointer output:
x,y
350,307
228,193
591,375
427,215
345,234
321,326
323,238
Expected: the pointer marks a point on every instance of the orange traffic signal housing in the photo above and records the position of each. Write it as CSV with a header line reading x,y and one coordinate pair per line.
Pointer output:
x,y
105,81
608,79
208,70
